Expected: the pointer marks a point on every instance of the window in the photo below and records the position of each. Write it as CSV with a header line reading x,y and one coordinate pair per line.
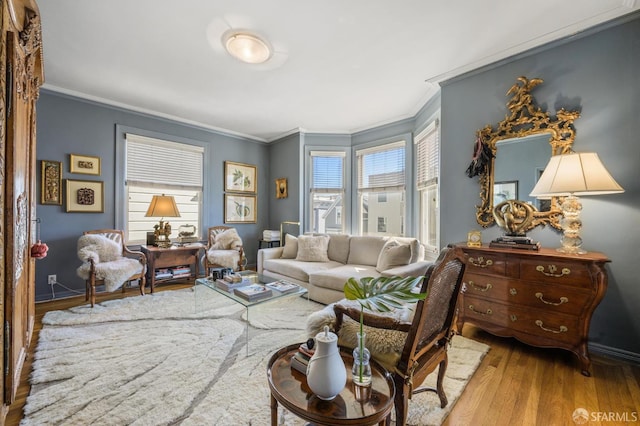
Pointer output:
x,y
381,189
327,191
155,167
428,172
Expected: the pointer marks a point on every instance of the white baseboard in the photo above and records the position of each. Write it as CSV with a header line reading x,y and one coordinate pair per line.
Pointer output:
x,y
616,353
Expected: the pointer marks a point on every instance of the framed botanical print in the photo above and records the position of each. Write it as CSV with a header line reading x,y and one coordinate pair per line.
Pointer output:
x,y
239,177
51,182
282,190
240,208
85,196
84,164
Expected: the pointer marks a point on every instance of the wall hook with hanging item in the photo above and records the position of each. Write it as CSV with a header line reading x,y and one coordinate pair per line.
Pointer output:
x,y
39,250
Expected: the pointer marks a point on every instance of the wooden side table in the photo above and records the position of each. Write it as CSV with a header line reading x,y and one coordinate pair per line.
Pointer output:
x,y
289,388
158,258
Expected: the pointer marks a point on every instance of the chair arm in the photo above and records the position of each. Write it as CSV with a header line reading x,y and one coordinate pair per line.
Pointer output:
x,y
135,253
266,254
370,319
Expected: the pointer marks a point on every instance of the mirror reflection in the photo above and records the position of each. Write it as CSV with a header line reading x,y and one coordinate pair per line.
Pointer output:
x,y
518,165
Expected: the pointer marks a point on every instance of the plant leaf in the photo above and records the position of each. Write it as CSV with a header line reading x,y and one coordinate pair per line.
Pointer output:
x,y
383,294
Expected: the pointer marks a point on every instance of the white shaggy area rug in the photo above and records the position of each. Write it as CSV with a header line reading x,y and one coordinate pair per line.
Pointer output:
x,y
180,357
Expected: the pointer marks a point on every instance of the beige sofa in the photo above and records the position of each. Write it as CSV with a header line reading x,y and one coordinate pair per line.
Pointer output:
x,y
323,263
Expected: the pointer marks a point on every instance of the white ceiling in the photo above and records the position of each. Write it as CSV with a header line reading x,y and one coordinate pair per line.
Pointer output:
x,y
340,65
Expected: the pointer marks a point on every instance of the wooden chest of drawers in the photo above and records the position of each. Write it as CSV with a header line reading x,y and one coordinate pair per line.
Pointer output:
x,y
543,298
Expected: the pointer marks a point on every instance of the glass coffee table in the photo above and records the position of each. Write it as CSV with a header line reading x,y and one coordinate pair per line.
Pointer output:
x,y
254,278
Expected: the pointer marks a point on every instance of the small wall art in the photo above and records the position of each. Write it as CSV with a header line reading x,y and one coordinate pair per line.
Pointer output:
x,y
51,182
85,196
282,190
240,208
239,177
503,191
84,164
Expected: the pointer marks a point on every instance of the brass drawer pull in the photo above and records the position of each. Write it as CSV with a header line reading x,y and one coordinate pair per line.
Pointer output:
x,y
513,291
562,329
552,271
480,288
480,262
489,311
513,317
562,300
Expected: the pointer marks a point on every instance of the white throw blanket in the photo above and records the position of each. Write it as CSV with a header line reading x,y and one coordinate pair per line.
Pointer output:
x,y
110,267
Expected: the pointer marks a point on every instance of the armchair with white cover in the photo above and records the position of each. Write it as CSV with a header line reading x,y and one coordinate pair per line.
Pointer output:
x,y
224,249
107,260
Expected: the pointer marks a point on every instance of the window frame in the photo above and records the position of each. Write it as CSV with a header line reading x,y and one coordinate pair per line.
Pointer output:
x,y
425,183
343,153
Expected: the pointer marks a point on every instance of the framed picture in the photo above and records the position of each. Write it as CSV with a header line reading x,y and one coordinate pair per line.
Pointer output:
x,y
282,191
505,190
51,182
239,177
240,208
85,196
84,164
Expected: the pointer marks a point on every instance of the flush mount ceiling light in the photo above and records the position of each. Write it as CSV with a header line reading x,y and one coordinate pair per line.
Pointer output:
x,y
246,46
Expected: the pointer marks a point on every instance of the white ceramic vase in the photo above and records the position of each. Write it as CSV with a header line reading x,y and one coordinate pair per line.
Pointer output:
x,y
326,373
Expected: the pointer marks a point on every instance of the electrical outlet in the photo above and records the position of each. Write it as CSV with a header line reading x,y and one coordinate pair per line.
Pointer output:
x,y
52,279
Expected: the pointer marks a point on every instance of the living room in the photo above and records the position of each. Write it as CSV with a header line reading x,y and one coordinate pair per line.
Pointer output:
x,y
594,71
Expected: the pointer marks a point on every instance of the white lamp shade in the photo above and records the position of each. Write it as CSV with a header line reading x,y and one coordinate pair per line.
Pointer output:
x,y
578,174
163,206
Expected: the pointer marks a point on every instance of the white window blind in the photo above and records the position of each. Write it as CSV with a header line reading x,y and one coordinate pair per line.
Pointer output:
x,y
428,157
327,191
163,162
154,167
327,171
382,168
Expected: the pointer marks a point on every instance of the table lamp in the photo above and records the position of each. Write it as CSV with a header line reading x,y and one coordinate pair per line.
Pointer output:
x,y
162,206
570,175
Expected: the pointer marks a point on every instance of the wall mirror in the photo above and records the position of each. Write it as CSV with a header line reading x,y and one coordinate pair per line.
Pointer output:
x,y
516,152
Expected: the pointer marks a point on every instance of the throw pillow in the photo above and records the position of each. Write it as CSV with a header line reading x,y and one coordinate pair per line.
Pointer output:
x,y
313,248
227,240
393,254
290,250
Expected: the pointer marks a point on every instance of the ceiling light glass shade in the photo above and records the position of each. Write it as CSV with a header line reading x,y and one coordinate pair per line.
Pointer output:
x,y
163,206
570,175
246,47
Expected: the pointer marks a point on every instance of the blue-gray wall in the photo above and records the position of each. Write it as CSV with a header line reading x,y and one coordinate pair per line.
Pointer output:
x,y
67,125
597,74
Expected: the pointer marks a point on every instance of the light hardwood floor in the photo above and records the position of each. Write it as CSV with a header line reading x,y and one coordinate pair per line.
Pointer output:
x,y
515,384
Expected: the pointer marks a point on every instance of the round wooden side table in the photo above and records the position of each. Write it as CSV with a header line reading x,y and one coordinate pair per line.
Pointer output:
x,y
289,388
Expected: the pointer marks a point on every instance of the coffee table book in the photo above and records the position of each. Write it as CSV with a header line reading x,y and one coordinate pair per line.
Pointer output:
x,y
283,286
227,286
253,292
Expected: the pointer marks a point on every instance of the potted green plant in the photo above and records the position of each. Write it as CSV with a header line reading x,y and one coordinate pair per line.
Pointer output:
x,y
380,294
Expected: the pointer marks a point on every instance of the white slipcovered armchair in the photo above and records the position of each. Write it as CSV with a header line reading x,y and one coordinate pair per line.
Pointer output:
x,y
224,249
107,260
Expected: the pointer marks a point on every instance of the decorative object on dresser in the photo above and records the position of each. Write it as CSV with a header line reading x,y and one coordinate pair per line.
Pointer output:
x,y
570,175
542,298
500,157
162,206
474,238
187,234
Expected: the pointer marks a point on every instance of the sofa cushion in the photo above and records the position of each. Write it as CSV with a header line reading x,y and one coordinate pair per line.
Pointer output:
x,y
364,250
297,269
393,254
290,250
416,253
313,248
339,247
335,278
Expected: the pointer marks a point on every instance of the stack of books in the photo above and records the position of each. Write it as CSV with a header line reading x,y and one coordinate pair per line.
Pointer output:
x,y
180,272
231,286
523,243
253,292
283,286
270,235
300,359
163,273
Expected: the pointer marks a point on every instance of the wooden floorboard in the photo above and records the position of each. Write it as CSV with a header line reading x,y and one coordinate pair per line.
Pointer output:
x,y
514,385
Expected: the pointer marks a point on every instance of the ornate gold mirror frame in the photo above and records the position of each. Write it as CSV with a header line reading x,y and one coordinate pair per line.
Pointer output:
x,y
525,119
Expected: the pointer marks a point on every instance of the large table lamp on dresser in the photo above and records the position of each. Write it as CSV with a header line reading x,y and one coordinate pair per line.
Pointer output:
x,y
570,175
162,206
